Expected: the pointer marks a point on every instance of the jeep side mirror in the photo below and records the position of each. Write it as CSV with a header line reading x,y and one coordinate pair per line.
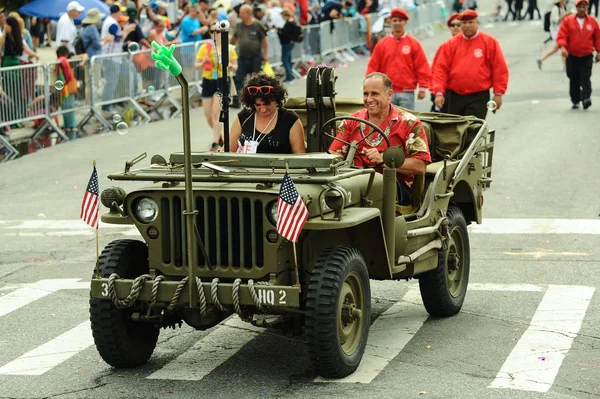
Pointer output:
x,y
393,157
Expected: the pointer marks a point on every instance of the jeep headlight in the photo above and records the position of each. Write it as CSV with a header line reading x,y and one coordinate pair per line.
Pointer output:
x,y
146,210
272,213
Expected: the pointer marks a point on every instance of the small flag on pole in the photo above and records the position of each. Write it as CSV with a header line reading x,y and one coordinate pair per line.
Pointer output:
x,y
291,210
90,208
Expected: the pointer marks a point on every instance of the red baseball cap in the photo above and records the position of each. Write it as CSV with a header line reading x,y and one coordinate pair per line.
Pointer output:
x,y
472,14
578,2
399,13
452,18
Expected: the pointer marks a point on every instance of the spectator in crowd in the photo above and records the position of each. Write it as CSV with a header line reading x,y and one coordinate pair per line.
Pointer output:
x,y
276,20
454,27
64,72
208,60
136,35
401,57
593,3
260,13
112,35
264,126
2,20
93,44
287,36
531,8
90,34
331,10
382,27
558,13
251,43
39,26
12,46
578,37
233,16
66,31
402,128
509,11
160,7
348,9
368,6
28,52
518,8
191,28
467,67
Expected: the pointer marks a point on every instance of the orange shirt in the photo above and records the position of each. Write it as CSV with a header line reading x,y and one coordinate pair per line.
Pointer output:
x,y
403,61
470,65
579,41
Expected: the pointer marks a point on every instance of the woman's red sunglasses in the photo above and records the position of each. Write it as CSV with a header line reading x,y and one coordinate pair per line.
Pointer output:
x,y
253,90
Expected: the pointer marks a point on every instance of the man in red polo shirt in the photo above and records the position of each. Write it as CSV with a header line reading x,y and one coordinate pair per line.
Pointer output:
x,y
401,57
402,128
467,66
578,36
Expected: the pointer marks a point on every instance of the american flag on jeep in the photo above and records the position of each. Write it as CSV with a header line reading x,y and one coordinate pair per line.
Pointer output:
x,y
90,206
291,210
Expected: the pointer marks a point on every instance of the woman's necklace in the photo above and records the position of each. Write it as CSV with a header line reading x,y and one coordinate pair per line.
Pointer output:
x,y
265,130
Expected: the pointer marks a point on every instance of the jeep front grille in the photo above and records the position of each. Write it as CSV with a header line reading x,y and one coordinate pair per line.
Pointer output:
x,y
231,229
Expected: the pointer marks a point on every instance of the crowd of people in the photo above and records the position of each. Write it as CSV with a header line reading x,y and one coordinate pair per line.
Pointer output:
x,y
462,73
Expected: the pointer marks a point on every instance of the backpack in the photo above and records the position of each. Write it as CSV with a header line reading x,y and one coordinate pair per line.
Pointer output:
x,y
547,21
298,34
78,44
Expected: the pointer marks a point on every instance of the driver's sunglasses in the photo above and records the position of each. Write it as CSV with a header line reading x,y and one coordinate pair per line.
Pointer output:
x,y
265,90
455,25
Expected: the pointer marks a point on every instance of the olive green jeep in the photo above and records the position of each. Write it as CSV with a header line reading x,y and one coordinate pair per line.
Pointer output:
x,y
211,247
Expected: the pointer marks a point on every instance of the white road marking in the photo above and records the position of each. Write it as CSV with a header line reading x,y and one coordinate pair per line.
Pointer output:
x,y
536,226
505,287
27,293
210,352
536,358
387,336
52,353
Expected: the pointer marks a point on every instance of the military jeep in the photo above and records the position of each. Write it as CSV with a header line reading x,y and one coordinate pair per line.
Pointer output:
x,y
211,248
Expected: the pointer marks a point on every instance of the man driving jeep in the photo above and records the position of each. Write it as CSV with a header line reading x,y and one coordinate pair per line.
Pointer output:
x,y
402,128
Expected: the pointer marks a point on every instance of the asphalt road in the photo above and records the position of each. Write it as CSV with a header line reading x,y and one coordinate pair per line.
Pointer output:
x,y
529,328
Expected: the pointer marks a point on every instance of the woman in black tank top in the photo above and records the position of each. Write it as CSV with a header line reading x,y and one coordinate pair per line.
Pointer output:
x,y
264,126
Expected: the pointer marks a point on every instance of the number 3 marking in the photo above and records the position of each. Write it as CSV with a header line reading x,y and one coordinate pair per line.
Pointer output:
x,y
104,289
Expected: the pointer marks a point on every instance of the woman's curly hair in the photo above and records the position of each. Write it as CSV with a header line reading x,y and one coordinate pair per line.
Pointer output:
x,y
278,92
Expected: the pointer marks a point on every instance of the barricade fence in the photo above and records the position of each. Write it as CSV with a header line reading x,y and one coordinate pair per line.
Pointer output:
x,y
127,87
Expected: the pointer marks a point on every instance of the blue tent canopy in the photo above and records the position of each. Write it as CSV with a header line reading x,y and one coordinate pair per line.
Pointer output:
x,y
54,9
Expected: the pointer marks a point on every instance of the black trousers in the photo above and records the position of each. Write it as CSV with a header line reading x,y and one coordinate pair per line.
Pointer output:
x,y
470,104
579,71
593,3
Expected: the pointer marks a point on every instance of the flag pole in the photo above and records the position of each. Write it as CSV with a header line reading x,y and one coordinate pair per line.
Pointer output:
x,y
97,228
297,284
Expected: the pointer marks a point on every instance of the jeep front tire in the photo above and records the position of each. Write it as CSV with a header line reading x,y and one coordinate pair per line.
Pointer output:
x,y
121,341
338,312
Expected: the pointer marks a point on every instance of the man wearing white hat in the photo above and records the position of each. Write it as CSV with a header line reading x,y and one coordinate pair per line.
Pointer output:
x,y
65,29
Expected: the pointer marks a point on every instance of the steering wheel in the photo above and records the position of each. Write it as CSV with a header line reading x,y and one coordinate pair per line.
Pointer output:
x,y
365,138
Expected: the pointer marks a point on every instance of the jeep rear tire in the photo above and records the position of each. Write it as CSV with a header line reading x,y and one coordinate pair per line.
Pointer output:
x,y
338,312
443,289
121,341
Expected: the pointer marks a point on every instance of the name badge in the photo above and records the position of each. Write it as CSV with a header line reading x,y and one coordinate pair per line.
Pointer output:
x,y
249,147
215,75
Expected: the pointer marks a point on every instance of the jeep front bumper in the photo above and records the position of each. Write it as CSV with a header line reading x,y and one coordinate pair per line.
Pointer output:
x,y
274,296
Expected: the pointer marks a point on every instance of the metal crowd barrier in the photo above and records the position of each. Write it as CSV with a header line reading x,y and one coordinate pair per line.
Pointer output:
x,y
119,83
24,97
28,92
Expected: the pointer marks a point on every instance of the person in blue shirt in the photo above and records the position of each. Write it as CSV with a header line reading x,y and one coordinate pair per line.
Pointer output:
x,y
191,28
90,34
